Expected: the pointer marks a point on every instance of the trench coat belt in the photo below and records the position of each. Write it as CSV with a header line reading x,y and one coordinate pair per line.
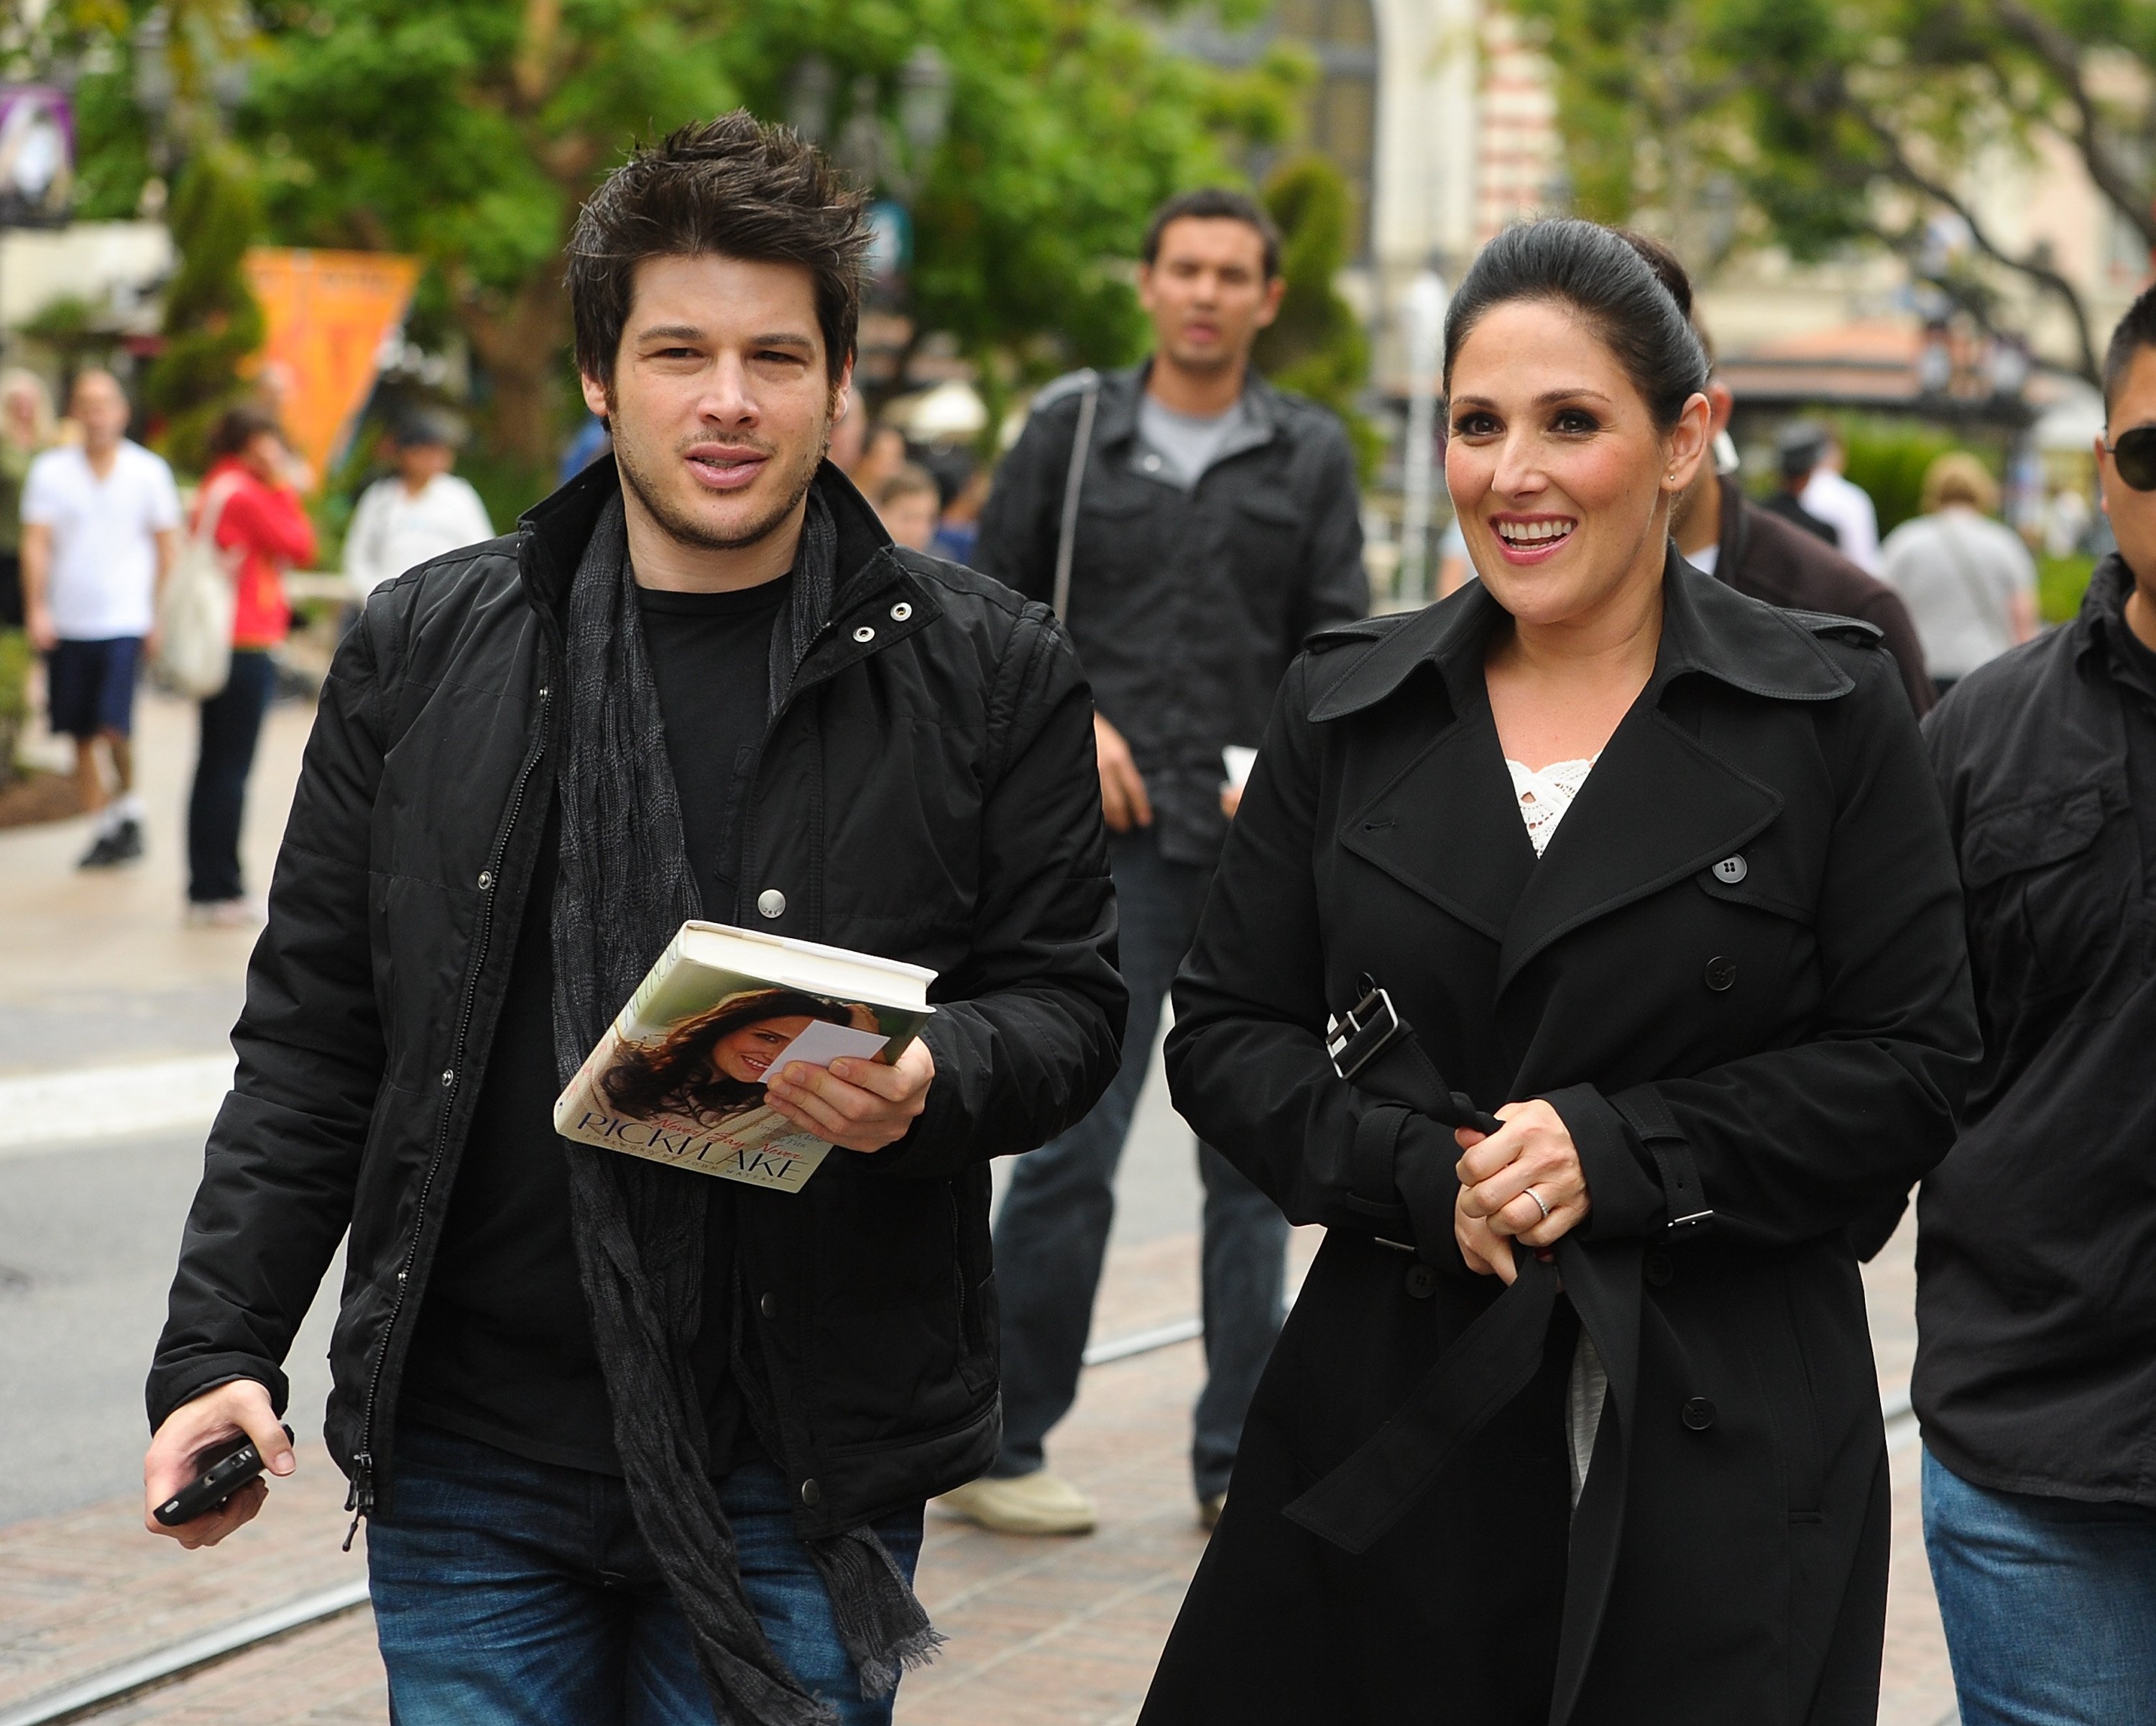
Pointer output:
x,y
1487,1365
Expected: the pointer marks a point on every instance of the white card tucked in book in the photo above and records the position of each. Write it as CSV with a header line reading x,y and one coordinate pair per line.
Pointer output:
x,y
824,1042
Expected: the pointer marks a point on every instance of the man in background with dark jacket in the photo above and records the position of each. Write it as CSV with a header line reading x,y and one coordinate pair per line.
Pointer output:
x,y
629,1436
1720,532
1193,524
1797,451
2035,1374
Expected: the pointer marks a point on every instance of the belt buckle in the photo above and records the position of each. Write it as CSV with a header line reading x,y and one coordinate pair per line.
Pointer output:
x,y
1356,1038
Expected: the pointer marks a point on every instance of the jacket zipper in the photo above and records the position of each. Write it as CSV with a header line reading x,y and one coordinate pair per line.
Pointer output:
x,y
359,1500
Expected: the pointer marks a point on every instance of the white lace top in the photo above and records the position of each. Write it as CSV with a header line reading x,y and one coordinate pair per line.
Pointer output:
x,y
1546,793
1544,797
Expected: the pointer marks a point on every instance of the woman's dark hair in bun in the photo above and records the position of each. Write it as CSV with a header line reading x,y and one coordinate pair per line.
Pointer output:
x,y
1630,289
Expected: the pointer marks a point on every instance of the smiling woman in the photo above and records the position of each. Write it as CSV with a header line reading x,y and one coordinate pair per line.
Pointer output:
x,y
1575,1419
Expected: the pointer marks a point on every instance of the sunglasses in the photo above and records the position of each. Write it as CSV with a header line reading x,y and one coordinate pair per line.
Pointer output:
x,y
2134,456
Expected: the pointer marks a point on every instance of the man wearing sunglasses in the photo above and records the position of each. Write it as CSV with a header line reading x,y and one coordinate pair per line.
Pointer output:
x,y
2036,1284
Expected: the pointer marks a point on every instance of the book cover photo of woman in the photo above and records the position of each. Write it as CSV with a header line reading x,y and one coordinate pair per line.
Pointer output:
x,y
711,1067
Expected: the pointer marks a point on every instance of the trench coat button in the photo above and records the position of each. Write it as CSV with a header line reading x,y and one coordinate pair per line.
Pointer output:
x,y
1697,1413
902,611
768,1306
1421,1281
864,634
1657,1269
1730,870
812,1495
770,902
1721,973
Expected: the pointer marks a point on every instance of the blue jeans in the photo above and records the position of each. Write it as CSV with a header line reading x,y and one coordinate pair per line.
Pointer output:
x,y
1052,1233
514,1593
2049,1603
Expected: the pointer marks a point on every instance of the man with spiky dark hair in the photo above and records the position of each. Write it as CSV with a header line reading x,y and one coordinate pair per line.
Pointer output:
x,y
634,1442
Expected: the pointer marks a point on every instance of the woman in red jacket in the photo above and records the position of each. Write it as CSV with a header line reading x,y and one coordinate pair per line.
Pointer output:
x,y
264,530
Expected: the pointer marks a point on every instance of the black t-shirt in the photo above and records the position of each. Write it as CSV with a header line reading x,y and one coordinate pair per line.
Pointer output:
x,y
503,1351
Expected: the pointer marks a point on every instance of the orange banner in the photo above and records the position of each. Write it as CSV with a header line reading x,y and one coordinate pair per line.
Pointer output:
x,y
326,313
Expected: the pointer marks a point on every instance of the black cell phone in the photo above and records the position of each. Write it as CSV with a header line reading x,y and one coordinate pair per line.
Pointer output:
x,y
226,1468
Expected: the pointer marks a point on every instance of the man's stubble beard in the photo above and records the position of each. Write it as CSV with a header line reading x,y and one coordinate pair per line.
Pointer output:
x,y
683,529
1224,359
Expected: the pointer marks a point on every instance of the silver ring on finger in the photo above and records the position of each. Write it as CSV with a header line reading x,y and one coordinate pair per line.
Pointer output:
x,y
1531,1193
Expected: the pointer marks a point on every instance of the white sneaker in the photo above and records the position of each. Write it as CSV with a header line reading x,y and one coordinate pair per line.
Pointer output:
x,y
225,913
1036,1503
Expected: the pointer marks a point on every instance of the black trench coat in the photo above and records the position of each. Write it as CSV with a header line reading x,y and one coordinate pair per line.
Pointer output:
x,y
1738,973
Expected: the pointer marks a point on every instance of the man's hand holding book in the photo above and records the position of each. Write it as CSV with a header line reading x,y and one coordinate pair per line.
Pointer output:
x,y
857,1104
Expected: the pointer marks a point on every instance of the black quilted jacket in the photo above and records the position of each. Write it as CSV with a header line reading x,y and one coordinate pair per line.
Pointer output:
x,y
927,792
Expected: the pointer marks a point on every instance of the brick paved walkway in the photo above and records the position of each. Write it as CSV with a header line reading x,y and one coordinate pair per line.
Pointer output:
x,y
1042,1633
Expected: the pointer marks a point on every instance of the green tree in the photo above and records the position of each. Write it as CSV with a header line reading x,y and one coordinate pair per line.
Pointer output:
x,y
469,131
1813,124
213,323
1317,346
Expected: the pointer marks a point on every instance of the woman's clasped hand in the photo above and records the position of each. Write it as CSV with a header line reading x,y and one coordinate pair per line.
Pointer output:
x,y
1523,1183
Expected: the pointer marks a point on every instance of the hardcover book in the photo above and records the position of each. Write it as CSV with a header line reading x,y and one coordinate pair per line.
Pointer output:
x,y
679,1077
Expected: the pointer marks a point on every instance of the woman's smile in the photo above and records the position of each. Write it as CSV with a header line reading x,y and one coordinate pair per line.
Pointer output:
x,y
1530,539
745,1055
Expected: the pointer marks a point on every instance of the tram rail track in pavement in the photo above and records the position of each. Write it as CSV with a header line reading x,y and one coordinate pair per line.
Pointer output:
x,y
87,1697
67,1111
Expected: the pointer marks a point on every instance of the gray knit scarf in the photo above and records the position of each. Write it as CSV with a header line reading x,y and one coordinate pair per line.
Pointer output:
x,y
625,887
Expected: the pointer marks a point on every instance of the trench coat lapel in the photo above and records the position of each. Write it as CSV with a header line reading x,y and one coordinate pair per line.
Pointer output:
x,y
1448,825
1660,805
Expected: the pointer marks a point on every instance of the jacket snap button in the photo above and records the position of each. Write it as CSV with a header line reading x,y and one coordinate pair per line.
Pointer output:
x,y
1721,973
770,902
812,1495
768,1306
1658,1270
1422,1282
487,877
900,612
1152,464
448,1076
1697,1413
1732,870
865,634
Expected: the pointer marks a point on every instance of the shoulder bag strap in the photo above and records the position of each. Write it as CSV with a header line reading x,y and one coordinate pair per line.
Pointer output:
x,y
1066,541
214,498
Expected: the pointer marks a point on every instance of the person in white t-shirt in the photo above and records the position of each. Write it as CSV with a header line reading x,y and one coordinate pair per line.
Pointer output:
x,y
100,529
418,512
1969,581
1844,505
